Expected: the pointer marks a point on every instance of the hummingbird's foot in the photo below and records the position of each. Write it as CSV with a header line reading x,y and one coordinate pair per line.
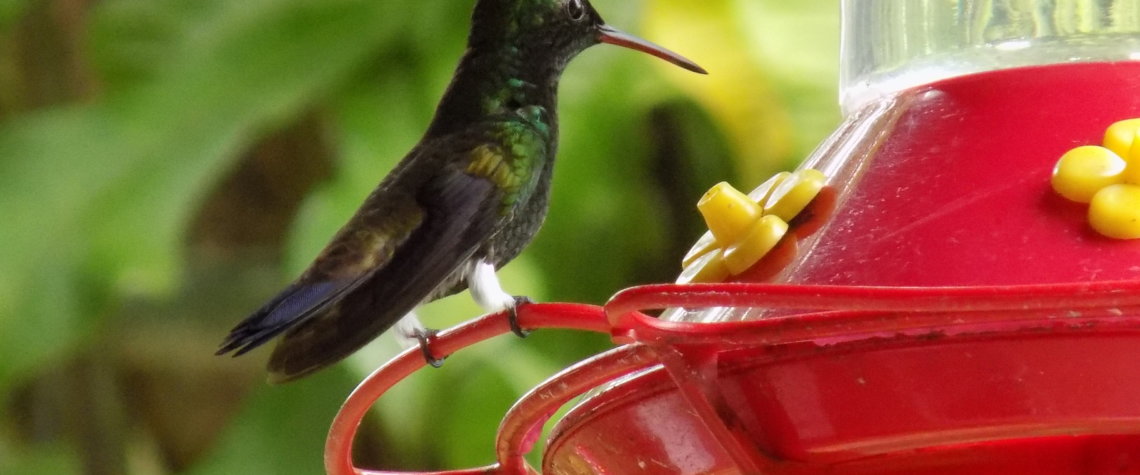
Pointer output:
x,y
425,336
485,288
513,315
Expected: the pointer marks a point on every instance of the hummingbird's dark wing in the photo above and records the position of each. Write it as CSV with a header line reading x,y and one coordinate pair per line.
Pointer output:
x,y
359,249
460,211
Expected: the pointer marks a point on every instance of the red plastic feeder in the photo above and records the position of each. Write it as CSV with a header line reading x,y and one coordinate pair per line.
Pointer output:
x,y
952,314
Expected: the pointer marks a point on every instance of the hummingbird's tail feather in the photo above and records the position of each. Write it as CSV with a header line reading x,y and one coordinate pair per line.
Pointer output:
x,y
292,306
461,212
344,328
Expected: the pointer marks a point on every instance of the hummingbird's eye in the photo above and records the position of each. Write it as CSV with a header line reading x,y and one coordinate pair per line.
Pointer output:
x,y
576,10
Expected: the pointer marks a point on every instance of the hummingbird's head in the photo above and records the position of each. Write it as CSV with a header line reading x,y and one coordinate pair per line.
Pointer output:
x,y
557,30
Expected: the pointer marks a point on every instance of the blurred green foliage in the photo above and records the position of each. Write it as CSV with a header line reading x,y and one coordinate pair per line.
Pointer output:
x,y
165,165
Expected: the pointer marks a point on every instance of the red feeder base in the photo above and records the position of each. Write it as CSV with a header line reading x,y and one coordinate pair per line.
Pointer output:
x,y
1046,399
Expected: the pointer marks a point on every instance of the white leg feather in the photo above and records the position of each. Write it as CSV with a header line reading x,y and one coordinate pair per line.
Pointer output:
x,y
408,330
486,290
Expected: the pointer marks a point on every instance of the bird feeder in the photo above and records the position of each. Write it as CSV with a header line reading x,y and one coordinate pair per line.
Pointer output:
x,y
947,300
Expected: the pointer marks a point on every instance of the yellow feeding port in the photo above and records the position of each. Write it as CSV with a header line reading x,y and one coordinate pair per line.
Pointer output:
x,y
1132,163
1120,135
1083,171
794,193
745,228
707,268
1115,211
763,236
728,212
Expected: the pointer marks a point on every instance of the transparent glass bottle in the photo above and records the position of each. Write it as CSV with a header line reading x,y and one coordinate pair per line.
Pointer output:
x,y
890,46
955,113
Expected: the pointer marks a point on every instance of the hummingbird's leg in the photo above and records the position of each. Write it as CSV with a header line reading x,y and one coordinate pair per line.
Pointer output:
x,y
425,336
410,332
513,316
489,294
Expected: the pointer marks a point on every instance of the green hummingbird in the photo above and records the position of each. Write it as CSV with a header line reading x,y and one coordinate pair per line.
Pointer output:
x,y
464,201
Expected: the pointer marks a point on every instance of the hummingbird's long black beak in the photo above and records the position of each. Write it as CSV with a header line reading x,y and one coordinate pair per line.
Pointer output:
x,y
608,34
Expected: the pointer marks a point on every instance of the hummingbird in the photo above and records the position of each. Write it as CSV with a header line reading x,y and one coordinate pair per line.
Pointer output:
x,y
461,204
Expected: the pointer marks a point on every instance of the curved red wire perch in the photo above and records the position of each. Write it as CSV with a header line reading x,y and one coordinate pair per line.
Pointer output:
x,y
837,311
338,447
